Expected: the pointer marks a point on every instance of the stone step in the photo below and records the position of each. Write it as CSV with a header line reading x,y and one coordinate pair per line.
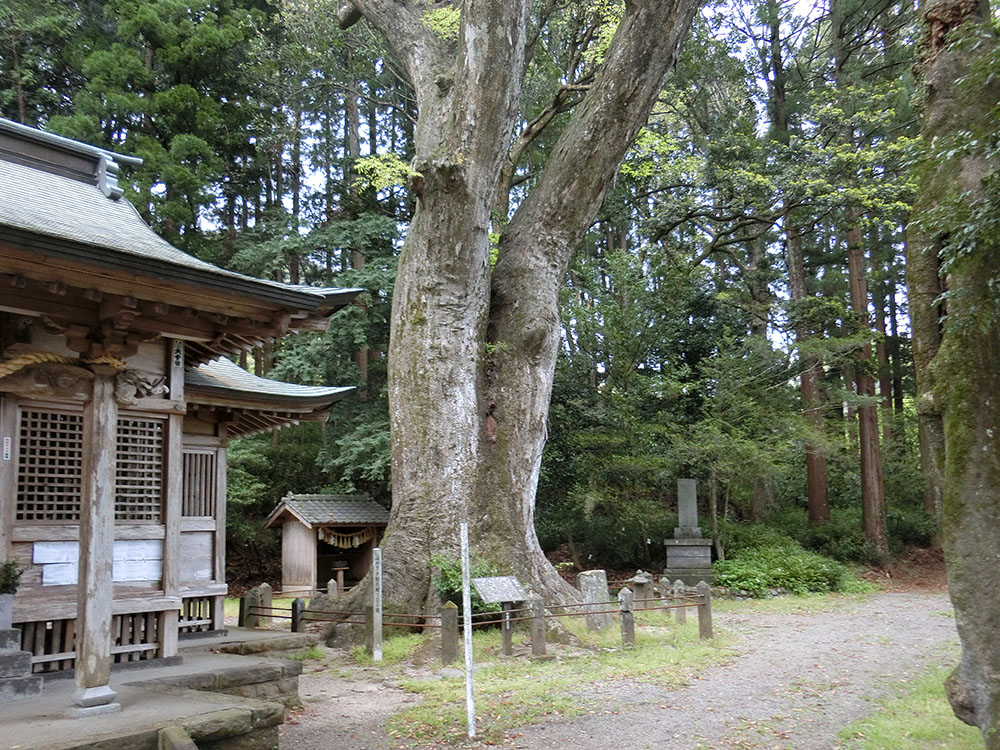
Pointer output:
x,y
18,688
15,663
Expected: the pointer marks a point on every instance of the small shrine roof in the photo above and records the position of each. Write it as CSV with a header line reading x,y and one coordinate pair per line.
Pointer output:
x,y
331,510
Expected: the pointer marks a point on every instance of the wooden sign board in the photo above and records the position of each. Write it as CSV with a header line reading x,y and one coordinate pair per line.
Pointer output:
x,y
499,589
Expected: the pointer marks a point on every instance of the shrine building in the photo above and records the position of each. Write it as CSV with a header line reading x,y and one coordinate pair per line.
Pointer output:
x,y
117,403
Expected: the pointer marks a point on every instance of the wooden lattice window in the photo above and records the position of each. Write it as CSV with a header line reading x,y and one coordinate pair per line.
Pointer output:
x,y
50,466
200,490
139,470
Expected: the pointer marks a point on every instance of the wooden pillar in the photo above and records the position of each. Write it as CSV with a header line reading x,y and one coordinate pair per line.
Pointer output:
x,y
218,610
173,481
8,471
97,539
173,473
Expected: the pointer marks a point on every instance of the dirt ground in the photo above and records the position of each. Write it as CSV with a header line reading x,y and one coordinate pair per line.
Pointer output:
x,y
793,682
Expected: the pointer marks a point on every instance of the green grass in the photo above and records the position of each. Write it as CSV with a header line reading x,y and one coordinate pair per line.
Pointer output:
x,y
514,692
231,608
920,719
394,650
787,605
314,652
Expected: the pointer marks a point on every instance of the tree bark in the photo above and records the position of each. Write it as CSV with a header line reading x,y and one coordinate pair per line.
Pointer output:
x,y
958,364
472,353
872,488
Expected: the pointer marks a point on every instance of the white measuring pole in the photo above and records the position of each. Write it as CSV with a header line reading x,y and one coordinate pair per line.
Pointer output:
x,y
377,605
470,701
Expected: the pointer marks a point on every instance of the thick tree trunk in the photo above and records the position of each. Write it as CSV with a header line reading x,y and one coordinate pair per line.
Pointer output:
x,y
472,354
872,488
958,365
809,381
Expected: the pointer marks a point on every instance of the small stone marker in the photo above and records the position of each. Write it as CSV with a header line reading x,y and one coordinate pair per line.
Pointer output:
x,y
593,586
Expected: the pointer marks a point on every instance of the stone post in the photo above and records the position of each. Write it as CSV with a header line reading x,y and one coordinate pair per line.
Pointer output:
x,y
704,610
298,615
681,613
332,590
251,601
627,618
537,607
593,586
449,633
266,598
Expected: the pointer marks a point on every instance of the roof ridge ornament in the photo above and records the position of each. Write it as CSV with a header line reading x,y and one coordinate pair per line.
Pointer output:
x,y
107,177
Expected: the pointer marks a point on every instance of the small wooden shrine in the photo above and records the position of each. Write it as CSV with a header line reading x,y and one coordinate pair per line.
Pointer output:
x,y
326,537
116,408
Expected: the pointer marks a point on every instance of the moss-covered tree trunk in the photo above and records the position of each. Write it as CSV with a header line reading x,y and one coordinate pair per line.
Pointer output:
x,y
473,349
958,356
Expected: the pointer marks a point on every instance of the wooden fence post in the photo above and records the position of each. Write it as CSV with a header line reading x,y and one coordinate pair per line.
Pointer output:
x,y
507,633
705,610
298,620
449,633
537,624
627,618
680,613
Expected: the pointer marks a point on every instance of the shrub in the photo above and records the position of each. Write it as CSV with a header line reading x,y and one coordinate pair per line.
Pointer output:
x,y
785,567
448,581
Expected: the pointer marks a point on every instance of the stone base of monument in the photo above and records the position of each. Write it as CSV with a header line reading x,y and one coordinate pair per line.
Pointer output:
x,y
689,560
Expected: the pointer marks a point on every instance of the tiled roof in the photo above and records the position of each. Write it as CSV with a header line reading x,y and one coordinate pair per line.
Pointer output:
x,y
321,510
222,375
64,209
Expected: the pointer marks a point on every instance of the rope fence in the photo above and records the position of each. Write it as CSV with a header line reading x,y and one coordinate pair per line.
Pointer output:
x,y
256,606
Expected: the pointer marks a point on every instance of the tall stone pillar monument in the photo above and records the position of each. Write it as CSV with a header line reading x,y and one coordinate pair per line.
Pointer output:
x,y
689,557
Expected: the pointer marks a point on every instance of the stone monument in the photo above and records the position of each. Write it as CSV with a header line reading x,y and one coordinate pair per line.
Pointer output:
x,y
689,557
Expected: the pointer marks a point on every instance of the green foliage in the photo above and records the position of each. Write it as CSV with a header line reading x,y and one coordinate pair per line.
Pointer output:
x,y
10,576
784,567
448,581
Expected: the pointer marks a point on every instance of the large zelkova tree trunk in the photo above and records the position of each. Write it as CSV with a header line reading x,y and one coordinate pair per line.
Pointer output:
x,y
958,358
472,350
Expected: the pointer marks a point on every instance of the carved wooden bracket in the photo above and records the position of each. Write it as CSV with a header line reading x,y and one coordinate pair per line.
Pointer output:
x,y
50,380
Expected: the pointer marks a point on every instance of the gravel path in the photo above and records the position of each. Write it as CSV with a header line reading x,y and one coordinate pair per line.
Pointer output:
x,y
793,683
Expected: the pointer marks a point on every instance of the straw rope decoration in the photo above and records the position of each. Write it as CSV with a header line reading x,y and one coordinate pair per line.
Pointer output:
x,y
20,361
